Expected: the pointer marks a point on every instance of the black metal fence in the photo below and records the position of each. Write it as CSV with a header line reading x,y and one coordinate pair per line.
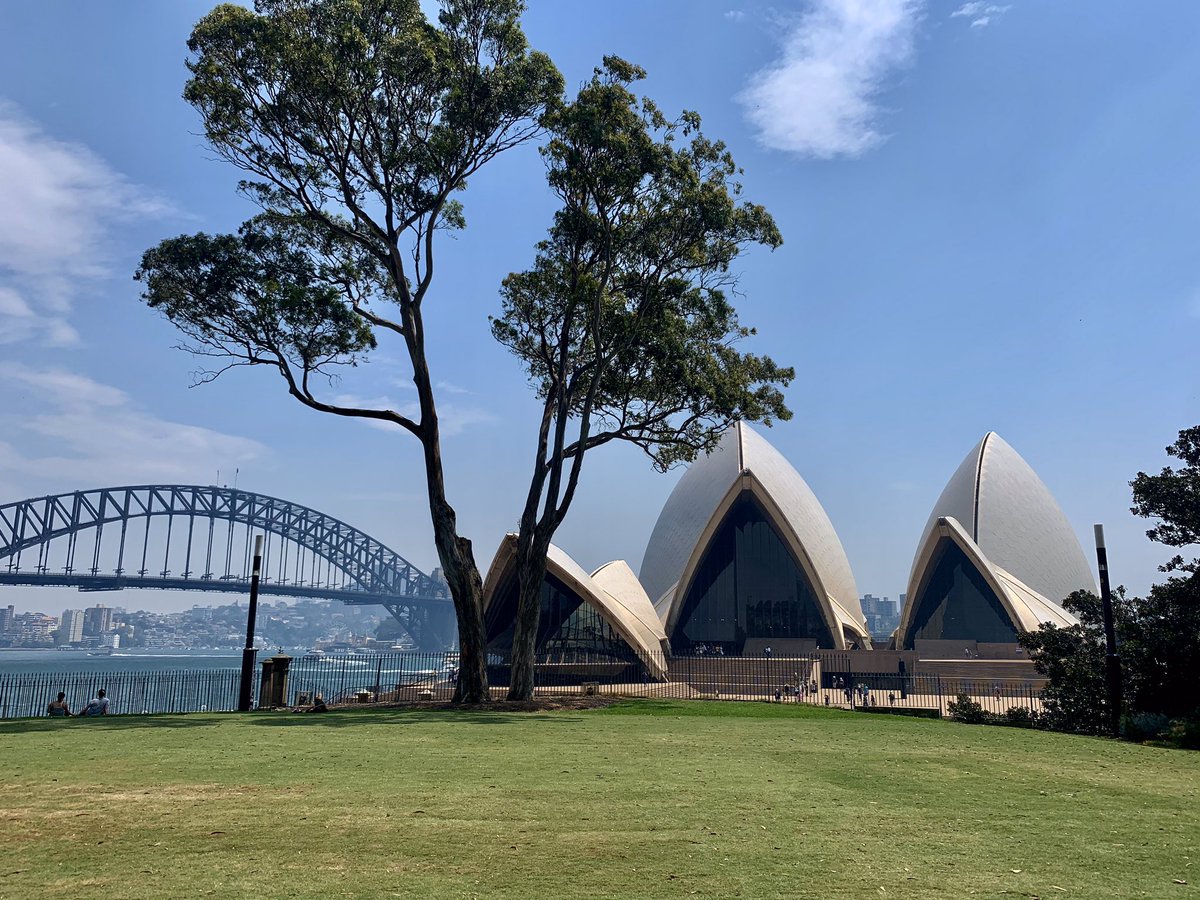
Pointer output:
x,y
370,678
407,677
26,694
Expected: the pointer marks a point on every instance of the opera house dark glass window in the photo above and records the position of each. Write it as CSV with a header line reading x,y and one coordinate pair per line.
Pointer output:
x,y
568,627
956,604
748,585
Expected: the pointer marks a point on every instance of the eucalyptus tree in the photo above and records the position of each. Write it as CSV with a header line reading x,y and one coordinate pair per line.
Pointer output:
x,y
624,324
355,123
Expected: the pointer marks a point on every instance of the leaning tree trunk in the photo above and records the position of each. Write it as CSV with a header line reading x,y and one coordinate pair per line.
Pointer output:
x,y
531,572
458,563
462,575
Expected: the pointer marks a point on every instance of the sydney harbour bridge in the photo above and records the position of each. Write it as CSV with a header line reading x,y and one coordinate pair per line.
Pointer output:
x,y
200,538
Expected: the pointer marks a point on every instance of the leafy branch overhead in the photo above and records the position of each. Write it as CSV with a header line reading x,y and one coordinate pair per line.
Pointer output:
x,y
355,122
1173,497
623,323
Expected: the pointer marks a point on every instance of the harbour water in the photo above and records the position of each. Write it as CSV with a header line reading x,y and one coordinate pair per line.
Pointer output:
x,y
70,662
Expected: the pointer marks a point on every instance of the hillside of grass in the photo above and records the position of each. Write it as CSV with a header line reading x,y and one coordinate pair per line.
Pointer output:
x,y
643,799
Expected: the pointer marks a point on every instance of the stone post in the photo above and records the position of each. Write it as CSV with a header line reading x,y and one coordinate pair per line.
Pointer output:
x,y
279,678
265,684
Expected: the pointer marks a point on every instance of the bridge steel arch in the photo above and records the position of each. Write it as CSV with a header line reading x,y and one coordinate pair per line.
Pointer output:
x,y
371,571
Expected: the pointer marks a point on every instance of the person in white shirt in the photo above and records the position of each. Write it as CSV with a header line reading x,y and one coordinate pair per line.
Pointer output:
x,y
97,706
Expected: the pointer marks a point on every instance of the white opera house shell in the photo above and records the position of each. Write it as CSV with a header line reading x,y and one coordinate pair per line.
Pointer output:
x,y
604,618
997,556
743,557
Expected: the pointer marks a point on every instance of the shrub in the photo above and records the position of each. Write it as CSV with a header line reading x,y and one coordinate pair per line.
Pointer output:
x,y
1144,726
1184,733
1018,717
966,710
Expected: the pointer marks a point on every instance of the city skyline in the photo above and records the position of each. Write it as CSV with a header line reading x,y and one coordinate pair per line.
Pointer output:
x,y
969,245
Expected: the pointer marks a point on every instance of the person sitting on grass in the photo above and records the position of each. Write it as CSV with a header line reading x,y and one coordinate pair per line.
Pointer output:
x,y
59,707
318,705
97,706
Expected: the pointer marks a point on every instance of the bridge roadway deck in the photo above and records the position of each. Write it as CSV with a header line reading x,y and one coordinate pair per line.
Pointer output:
x,y
100,583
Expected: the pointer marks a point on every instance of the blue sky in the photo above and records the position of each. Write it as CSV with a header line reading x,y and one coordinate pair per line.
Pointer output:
x,y
990,219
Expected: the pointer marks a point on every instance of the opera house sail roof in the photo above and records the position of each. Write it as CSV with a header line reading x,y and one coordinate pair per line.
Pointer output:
x,y
997,555
605,616
743,556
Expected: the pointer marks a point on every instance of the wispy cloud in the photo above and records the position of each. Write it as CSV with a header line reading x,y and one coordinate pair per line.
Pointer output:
x,y
980,14
820,98
76,432
59,203
736,15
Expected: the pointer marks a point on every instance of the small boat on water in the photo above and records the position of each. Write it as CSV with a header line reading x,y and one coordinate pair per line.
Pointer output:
x,y
101,651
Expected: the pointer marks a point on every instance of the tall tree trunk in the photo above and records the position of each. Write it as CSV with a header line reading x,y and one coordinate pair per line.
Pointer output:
x,y
466,586
531,572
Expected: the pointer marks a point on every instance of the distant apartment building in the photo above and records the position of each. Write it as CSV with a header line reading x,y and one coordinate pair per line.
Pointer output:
x,y
34,629
70,628
97,620
7,616
882,615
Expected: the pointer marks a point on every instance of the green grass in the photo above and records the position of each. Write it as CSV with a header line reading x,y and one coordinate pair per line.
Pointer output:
x,y
645,799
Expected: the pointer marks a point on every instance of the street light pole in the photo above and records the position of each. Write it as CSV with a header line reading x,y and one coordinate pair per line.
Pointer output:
x,y
248,654
1112,662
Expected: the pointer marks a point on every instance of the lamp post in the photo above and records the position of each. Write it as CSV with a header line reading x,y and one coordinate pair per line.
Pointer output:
x,y
1112,662
247,686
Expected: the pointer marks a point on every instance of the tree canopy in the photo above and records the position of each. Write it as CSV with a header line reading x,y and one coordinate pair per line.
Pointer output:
x,y
1173,497
1158,636
355,124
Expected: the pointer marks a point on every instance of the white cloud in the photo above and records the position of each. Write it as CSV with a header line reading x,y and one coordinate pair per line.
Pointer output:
x,y
980,13
60,202
819,98
75,432
735,15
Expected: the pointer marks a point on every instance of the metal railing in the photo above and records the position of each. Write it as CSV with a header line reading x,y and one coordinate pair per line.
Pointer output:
x,y
408,677
28,694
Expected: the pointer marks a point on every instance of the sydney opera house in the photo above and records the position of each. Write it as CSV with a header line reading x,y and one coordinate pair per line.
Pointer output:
x,y
743,560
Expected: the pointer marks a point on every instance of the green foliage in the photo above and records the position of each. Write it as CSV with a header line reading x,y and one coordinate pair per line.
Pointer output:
x,y
355,122
1019,717
1072,659
364,104
1184,734
1158,639
277,292
624,323
1143,726
1173,497
966,710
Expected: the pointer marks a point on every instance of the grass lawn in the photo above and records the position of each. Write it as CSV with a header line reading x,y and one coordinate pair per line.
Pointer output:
x,y
644,799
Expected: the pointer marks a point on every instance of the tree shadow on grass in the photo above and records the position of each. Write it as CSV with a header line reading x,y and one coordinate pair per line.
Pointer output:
x,y
338,718
111,723
407,717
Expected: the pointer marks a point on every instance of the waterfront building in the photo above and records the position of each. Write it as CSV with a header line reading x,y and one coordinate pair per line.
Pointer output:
x,y
70,629
743,557
997,556
97,620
